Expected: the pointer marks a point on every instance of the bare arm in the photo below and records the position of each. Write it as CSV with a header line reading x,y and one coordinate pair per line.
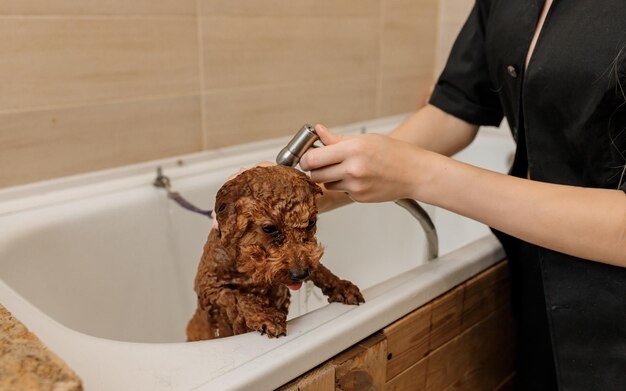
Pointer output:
x,y
583,222
429,128
435,130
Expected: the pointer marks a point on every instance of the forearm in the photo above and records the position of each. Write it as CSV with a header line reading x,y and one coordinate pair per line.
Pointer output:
x,y
435,130
584,222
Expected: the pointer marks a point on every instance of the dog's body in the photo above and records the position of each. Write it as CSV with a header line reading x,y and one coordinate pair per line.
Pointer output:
x,y
265,243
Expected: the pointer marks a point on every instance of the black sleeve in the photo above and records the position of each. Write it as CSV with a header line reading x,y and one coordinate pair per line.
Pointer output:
x,y
623,187
464,88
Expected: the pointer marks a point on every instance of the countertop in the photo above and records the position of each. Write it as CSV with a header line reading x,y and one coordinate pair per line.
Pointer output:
x,y
26,364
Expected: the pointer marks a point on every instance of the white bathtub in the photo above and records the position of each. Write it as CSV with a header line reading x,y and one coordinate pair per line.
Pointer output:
x,y
101,267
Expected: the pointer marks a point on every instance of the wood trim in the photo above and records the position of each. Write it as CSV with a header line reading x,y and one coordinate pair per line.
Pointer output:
x,y
463,339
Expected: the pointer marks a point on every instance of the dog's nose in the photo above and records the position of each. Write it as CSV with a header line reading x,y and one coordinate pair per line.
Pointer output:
x,y
298,274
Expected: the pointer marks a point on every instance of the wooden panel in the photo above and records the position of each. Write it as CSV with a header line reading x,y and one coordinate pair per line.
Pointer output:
x,y
485,293
446,317
98,7
478,359
236,116
446,326
362,367
318,379
452,366
63,61
304,8
323,380
407,340
414,378
49,143
287,50
373,340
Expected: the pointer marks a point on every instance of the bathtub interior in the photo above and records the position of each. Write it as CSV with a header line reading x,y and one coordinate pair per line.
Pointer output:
x,y
121,265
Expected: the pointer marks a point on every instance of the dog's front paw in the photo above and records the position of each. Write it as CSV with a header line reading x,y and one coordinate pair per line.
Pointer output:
x,y
270,321
347,293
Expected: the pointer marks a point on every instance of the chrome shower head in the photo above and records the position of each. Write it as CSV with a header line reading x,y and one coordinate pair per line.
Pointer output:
x,y
299,144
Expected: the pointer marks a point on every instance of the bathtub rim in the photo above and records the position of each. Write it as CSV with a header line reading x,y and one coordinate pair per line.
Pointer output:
x,y
419,286
14,199
311,339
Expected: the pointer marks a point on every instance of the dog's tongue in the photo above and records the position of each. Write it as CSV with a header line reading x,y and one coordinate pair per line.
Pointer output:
x,y
295,286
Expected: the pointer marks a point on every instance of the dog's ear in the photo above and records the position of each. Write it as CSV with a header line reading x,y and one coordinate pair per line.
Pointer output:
x,y
227,208
225,201
315,189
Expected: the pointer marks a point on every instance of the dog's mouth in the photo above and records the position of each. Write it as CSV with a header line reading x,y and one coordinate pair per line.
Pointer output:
x,y
296,276
294,286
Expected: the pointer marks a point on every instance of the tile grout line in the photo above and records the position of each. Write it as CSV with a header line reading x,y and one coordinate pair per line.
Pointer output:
x,y
287,84
183,94
203,122
427,357
379,76
438,43
64,17
104,102
428,351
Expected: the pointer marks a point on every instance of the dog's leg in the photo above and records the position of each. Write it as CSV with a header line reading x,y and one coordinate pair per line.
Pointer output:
x,y
199,327
246,312
208,324
337,290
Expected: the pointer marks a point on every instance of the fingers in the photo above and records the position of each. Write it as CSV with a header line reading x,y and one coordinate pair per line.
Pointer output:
x,y
334,150
339,178
313,158
326,136
316,158
327,174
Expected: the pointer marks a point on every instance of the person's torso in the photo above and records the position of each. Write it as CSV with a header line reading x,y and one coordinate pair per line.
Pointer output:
x,y
568,112
574,90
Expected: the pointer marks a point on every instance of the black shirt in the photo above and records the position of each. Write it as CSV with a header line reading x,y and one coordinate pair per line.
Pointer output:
x,y
567,112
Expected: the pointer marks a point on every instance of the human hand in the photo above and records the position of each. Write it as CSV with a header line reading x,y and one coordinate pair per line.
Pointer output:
x,y
369,167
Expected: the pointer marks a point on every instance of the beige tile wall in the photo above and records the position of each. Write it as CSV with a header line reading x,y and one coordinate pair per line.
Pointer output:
x,y
452,15
408,45
88,85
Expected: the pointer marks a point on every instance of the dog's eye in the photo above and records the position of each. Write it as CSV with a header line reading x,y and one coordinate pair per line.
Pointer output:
x,y
270,229
311,224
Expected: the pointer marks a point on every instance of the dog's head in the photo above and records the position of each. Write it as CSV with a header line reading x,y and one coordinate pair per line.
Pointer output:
x,y
267,221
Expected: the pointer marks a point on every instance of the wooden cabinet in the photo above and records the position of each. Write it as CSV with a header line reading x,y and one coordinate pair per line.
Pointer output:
x,y
462,340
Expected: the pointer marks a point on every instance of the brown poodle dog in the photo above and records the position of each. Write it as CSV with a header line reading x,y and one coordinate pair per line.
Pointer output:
x,y
264,246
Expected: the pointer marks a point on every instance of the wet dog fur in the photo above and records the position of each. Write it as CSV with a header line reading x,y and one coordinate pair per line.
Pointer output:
x,y
265,242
